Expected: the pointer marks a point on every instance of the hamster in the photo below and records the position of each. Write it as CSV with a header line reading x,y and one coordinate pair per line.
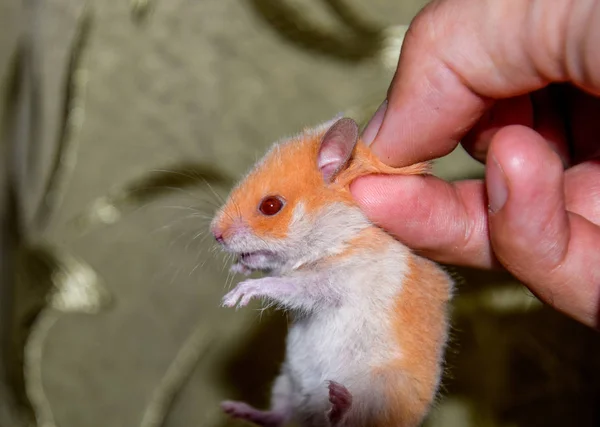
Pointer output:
x,y
370,325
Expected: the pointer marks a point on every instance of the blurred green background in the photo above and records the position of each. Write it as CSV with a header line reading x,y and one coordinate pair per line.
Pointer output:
x,y
123,122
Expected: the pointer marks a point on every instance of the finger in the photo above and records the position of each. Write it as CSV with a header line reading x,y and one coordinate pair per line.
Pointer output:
x,y
553,251
445,222
457,55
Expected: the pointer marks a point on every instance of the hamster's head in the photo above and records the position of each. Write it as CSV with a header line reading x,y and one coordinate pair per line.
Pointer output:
x,y
290,210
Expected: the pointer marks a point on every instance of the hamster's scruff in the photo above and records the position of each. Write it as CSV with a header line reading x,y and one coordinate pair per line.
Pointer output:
x,y
370,326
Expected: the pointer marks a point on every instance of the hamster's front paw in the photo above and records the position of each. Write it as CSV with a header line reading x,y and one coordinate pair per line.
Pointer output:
x,y
275,288
242,294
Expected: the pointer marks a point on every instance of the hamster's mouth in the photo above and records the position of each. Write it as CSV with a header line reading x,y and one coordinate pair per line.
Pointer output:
x,y
257,260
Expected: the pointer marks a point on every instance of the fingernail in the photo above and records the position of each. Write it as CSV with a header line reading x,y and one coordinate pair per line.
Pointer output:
x,y
374,124
496,185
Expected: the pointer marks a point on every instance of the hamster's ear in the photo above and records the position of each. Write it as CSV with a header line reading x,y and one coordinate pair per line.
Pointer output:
x,y
323,127
336,147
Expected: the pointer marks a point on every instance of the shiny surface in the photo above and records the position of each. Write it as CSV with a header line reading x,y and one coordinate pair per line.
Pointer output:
x,y
270,205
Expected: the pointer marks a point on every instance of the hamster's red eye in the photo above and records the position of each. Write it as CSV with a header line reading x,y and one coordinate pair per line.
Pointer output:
x,y
270,205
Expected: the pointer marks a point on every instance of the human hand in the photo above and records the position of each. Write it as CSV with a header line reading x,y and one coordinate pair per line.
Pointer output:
x,y
517,81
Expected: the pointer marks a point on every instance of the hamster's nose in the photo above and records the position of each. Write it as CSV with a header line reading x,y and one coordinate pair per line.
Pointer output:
x,y
218,235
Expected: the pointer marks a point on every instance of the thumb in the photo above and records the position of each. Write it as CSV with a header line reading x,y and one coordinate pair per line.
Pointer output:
x,y
553,251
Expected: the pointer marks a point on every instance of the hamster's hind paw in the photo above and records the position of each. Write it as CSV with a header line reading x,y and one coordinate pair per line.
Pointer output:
x,y
341,400
246,412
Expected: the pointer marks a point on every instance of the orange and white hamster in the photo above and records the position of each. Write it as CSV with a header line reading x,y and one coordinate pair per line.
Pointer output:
x,y
370,325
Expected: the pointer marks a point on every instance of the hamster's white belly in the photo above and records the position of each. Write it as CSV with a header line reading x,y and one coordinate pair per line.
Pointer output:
x,y
341,345
347,342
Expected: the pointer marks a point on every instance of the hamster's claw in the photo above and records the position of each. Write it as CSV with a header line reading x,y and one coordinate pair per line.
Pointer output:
x,y
242,294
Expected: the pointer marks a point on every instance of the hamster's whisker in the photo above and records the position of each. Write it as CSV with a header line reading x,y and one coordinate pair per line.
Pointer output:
x,y
210,187
196,212
178,237
172,223
198,265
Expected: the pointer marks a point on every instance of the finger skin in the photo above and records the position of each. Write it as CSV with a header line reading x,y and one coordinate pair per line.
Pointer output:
x,y
443,221
448,221
550,249
458,55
